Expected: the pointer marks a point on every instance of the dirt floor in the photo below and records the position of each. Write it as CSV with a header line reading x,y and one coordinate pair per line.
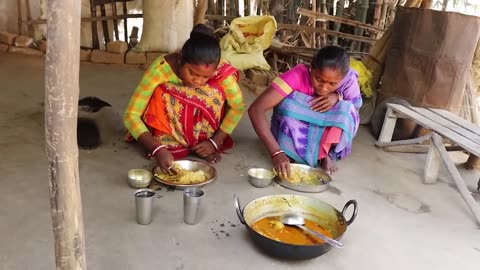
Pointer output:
x,y
401,223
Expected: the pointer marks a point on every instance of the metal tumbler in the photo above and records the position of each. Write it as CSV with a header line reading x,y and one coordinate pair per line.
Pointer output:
x,y
144,205
191,205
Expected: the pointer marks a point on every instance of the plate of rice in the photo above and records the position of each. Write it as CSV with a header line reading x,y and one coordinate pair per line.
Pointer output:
x,y
190,174
305,179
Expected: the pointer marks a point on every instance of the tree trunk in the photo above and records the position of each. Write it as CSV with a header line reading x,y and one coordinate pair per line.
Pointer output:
x,y
61,108
200,11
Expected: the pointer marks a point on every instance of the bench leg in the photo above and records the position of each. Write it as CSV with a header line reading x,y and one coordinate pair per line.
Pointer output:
x,y
388,126
462,188
432,168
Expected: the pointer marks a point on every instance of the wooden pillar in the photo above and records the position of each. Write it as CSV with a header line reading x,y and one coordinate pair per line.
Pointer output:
x,y
61,108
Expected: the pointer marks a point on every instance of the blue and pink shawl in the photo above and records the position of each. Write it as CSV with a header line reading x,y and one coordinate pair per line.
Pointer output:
x,y
299,130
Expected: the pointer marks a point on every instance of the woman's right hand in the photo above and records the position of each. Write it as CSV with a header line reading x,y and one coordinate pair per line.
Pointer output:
x,y
281,164
164,160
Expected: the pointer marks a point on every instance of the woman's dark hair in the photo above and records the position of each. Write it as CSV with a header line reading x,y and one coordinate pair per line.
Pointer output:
x,y
333,57
201,48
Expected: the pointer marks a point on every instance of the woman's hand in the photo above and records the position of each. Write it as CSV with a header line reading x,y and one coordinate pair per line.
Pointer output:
x,y
325,102
164,160
281,164
204,148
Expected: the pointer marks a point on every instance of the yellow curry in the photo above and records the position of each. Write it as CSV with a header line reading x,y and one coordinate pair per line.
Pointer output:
x,y
272,228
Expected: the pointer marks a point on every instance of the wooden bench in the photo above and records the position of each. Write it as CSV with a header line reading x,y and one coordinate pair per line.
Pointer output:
x,y
443,124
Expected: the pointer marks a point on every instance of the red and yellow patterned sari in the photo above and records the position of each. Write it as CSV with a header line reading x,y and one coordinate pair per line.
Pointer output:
x,y
180,117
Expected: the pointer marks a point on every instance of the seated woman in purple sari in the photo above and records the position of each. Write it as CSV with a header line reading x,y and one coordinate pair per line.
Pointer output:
x,y
315,112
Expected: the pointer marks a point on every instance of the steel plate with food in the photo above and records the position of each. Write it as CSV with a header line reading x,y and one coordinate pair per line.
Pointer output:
x,y
261,217
305,179
189,174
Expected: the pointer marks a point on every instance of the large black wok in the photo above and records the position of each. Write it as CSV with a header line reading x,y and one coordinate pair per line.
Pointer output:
x,y
316,210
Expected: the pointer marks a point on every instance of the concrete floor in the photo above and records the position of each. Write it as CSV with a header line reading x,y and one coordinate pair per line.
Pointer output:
x,y
401,224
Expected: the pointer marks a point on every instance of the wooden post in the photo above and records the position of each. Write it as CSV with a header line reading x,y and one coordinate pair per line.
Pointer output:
x,y
20,16
61,108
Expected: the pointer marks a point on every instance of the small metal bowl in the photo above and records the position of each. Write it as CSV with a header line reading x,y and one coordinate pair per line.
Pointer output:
x,y
139,178
259,177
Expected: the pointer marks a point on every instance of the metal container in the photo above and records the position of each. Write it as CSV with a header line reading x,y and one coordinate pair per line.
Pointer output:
x,y
144,205
192,165
259,177
191,205
325,179
276,205
139,178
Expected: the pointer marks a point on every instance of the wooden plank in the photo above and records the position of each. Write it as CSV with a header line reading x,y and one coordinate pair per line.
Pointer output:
x,y
318,15
425,122
460,121
297,27
457,178
451,124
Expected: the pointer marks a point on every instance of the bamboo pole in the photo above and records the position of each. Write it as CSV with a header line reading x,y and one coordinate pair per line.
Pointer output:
x,y
319,15
297,27
383,15
61,108
339,13
362,17
200,11
378,12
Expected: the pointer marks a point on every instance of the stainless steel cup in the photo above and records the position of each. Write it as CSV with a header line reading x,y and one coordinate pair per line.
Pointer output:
x,y
191,205
144,205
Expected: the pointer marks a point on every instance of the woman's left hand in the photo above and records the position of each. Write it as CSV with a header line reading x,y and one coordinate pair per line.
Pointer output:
x,y
325,102
204,148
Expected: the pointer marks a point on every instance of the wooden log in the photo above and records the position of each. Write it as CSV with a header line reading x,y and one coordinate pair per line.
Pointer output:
x,y
317,15
61,109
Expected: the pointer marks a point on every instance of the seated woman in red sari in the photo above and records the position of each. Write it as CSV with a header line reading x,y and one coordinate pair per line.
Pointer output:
x,y
186,102
315,116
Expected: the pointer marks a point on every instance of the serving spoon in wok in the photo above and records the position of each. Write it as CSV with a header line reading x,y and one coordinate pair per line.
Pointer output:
x,y
293,219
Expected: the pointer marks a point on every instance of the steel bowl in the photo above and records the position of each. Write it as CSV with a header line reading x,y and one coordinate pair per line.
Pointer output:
x,y
260,178
139,178
324,183
192,165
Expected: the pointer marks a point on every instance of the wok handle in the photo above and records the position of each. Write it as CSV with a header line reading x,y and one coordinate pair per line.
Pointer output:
x,y
238,209
355,211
